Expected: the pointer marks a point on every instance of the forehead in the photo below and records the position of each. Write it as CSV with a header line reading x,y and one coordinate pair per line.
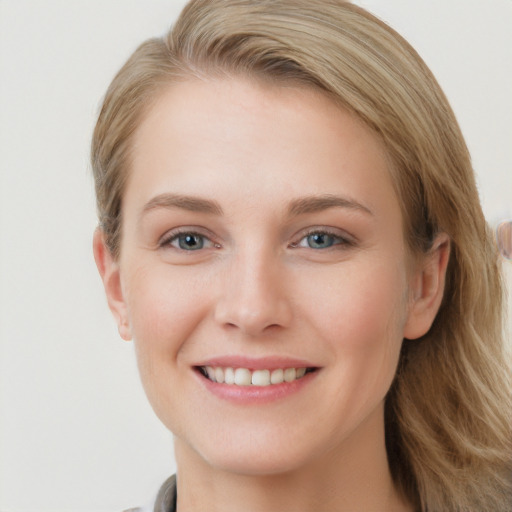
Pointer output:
x,y
234,135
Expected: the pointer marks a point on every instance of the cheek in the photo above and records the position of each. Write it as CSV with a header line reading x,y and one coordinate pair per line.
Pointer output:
x,y
364,299
361,318
164,307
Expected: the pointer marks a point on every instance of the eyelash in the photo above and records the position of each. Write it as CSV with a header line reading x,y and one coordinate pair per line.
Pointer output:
x,y
338,241
175,235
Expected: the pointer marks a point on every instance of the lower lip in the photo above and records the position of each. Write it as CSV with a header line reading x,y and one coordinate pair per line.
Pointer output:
x,y
257,394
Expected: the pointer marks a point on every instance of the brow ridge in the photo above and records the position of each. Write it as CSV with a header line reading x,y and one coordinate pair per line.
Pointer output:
x,y
299,206
190,203
313,204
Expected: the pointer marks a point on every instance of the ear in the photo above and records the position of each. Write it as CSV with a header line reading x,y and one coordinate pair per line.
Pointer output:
x,y
427,288
110,275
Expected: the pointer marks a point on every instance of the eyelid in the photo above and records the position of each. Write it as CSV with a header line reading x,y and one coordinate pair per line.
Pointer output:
x,y
345,238
170,235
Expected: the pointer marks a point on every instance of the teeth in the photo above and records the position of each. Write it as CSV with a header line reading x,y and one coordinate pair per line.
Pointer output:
x,y
242,377
219,375
229,376
290,374
260,378
277,376
211,373
245,377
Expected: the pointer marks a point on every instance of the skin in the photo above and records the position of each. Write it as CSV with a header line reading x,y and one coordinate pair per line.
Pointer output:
x,y
258,288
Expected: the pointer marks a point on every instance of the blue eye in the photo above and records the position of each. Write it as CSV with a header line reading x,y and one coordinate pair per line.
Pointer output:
x,y
321,240
188,242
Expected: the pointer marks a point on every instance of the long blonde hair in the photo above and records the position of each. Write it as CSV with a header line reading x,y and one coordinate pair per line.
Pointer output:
x,y
448,412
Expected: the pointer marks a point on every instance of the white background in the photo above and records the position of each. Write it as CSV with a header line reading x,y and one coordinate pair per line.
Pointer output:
x,y
76,433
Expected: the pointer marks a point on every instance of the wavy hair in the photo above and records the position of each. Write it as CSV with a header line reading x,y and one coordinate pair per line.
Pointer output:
x,y
448,412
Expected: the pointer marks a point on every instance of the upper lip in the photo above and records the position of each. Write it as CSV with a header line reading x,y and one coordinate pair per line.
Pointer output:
x,y
260,363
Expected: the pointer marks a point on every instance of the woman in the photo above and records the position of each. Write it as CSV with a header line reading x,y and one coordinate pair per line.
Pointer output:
x,y
291,233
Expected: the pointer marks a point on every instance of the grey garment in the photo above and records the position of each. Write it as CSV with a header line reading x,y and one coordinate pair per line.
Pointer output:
x,y
165,499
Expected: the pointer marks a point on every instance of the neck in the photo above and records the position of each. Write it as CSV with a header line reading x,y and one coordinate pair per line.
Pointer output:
x,y
352,477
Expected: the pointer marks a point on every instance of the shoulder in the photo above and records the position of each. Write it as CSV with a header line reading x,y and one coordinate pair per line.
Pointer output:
x,y
166,497
165,500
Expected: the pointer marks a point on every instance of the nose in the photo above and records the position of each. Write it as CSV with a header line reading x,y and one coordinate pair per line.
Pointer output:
x,y
253,298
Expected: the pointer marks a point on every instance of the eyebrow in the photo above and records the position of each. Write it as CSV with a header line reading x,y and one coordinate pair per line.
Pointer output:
x,y
190,203
315,204
300,206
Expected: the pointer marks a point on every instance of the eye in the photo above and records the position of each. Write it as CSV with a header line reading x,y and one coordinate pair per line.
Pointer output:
x,y
321,240
187,241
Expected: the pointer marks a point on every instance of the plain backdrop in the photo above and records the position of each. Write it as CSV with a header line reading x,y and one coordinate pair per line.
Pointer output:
x,y
76,433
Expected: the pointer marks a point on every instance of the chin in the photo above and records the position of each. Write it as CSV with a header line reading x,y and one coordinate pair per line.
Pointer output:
x,y
253,454
261,464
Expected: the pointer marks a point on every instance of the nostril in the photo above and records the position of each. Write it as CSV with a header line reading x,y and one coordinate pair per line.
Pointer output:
x,y
264,317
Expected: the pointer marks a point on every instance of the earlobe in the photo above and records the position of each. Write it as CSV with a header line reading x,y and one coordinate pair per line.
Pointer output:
x,y
110,275
427,288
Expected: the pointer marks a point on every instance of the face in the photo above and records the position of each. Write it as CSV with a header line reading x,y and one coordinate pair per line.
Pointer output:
x,y
262,274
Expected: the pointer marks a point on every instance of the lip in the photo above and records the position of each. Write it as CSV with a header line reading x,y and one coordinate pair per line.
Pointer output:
x,y
260,363
247,395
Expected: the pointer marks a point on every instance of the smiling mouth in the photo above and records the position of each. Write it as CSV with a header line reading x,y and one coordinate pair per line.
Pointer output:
x,y
246,377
